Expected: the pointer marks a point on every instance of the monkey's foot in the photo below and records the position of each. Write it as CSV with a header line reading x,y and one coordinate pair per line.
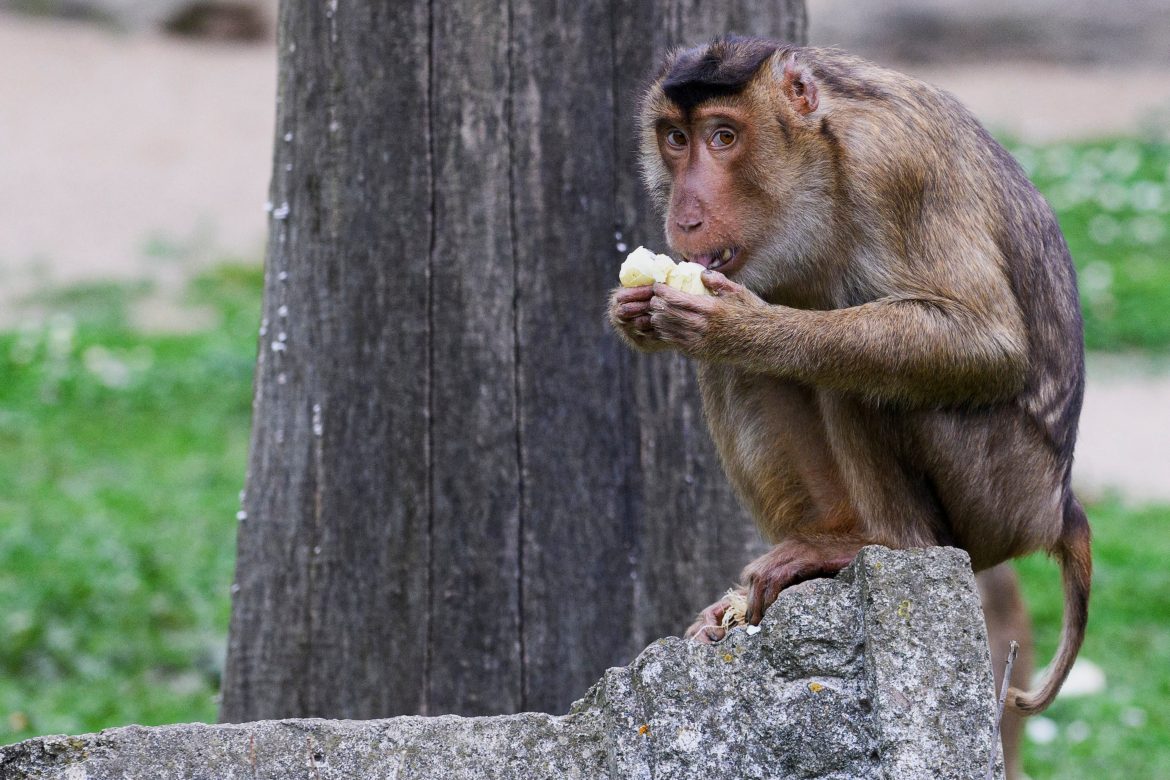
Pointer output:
x,y
791,562
711,626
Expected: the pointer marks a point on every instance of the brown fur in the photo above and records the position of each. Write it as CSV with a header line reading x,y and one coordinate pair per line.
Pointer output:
x,y
895,354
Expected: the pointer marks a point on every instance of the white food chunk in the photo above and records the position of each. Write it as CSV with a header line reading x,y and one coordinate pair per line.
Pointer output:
x,y
643,267
688,277
736,612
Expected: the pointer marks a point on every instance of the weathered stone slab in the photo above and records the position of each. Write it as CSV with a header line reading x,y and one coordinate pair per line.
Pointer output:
x,y
881,672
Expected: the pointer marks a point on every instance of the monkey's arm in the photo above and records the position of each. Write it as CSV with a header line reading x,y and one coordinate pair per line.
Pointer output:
x,y
925,349
916,350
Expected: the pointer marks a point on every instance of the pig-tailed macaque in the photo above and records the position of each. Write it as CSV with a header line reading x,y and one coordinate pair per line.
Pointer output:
x,y
892,353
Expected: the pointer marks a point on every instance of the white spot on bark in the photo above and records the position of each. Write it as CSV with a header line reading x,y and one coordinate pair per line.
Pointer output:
x,y
331,14
318,423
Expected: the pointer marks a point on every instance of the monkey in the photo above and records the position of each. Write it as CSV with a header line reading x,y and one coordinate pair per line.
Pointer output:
x,y
893,349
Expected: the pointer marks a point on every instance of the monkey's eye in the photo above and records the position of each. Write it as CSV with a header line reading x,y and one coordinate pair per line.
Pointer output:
x,y
676,138
722,138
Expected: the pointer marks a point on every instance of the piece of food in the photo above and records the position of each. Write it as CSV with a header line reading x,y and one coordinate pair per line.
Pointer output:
x,y
736,612
688,277
643,267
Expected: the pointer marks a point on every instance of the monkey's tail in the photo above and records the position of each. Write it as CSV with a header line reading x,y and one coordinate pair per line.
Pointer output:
x,y
1076,569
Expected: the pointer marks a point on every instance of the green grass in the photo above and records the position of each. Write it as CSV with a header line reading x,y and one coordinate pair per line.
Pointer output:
x,y
1113,202
121,459
1125,731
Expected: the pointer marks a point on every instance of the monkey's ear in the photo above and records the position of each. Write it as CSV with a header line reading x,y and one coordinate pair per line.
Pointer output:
x,y
798,85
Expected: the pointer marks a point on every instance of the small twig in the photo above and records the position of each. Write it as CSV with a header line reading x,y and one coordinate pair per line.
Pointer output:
x,y
1013,648
312,760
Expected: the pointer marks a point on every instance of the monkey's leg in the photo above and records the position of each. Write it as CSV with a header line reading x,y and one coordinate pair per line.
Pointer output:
x,y
773,445
883,503
1007,619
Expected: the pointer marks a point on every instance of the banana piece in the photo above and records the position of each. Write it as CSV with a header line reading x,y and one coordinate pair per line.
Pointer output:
x,y
643,267
688,277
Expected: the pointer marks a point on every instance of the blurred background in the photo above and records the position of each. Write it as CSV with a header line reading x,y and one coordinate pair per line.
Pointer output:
x,y
135,151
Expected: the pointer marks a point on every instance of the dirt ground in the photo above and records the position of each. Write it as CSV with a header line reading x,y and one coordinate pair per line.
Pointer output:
x,y
126,156
145,157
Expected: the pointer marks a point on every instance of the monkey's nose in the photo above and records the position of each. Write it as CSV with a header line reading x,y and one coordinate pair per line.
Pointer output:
x,y
688,224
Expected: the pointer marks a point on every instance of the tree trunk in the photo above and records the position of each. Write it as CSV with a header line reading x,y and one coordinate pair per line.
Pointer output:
x,y
464,495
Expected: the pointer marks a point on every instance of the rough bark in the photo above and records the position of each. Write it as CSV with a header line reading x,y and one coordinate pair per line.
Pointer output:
x,y
449,446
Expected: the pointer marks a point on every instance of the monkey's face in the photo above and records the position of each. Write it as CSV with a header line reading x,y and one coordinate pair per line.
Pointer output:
x,y
708,206
733,178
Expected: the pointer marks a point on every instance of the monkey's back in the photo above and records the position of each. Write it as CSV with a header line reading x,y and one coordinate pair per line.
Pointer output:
x,y
1044,280
953,157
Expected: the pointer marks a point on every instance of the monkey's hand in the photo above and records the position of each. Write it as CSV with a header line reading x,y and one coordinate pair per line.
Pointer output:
x,y
711,625
629,313
687,321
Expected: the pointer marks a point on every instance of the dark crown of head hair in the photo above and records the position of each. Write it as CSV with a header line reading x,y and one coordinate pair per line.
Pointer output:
x,y
720,68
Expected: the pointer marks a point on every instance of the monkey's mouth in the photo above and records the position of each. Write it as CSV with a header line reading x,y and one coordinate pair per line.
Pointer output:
x,y
716,260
